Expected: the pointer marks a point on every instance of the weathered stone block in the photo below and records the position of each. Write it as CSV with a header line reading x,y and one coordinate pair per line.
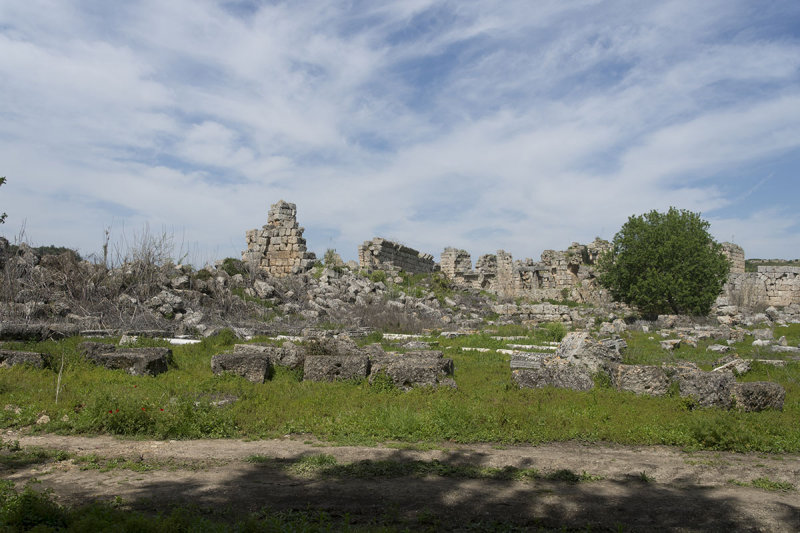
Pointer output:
x,y
335,367
10,358
641,379
288,355
537,370
253,366
709,389
758,396
581,349
135,361
422,368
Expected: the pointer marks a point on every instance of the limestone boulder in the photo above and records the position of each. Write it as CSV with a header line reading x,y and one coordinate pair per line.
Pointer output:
x,y
288,355
670,344
580,349
758,396
641,379
734,364
10,358
135,361
538,370
327,367
413,369
718,348
709,389
254,366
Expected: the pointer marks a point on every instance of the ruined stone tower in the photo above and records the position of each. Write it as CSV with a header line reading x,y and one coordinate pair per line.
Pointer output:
x,y
279,247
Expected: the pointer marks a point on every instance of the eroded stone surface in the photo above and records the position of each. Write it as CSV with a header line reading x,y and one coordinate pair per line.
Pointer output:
x,y
413,369
641,379
254,366
135,361
12,358
335,367
758,395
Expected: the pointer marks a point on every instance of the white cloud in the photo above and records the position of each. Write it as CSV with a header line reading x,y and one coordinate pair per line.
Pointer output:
x,y
515,125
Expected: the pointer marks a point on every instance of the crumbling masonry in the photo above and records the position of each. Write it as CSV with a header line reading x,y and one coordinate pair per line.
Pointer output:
x,y
279,247
380,254
557,275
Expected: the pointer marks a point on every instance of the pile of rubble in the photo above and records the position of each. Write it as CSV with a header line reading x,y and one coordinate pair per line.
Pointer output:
x,y
581,361
329,359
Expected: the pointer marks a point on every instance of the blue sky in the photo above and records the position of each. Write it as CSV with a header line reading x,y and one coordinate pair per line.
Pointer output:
x,y
521,126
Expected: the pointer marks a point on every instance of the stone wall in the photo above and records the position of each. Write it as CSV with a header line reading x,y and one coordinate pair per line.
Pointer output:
x,y
279,247
380,254
557,275
778,286
736,255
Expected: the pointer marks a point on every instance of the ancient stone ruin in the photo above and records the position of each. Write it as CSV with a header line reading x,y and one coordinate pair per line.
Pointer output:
x,y
557,275
735,254
279,247
380,254
771,286
329,359
580,360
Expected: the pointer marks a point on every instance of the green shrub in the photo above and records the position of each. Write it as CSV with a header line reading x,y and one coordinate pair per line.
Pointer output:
x,y
665,263
234,266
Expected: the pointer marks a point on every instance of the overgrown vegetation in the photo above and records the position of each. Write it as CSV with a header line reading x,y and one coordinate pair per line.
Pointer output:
x,y
486,407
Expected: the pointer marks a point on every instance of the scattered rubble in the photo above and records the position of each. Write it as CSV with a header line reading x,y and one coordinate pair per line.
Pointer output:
x,y
580,360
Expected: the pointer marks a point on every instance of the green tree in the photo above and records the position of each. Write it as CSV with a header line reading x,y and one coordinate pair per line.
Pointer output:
x,y
665,263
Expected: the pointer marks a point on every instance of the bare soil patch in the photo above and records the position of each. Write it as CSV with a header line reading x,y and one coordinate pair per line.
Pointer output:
x,y
639,488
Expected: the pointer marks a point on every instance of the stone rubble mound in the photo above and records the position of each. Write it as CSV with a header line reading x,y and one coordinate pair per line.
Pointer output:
x,y
580,360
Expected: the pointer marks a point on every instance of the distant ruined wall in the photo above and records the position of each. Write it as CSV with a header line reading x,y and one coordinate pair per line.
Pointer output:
x,y
380,254
778,286
735,254
555,276
279,247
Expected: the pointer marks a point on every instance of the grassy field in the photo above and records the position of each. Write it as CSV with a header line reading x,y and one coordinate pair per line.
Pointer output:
x,y
486,407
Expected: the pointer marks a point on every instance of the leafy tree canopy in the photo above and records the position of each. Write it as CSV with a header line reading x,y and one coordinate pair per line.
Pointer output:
x,y
665,263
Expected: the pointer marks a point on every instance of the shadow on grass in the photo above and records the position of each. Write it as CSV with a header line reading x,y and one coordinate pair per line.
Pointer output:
x,y
402,492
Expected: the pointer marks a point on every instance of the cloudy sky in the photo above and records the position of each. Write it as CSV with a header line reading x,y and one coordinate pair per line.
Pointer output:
x,y
483,125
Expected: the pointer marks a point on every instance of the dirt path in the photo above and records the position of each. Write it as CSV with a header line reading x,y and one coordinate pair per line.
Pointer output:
x,y
642,488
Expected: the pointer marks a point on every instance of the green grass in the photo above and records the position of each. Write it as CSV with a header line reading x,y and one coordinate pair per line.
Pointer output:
x,y
486,407
765,484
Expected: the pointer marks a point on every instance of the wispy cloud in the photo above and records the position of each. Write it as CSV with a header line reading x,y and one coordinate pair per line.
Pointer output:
x,y
481,125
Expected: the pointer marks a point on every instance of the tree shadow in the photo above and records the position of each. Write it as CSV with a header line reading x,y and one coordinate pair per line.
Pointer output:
x,y
453,494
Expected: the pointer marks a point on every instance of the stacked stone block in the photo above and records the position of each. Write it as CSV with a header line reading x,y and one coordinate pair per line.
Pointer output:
x,y
547,278
455,263
380,254
735,254
778,286
279,247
